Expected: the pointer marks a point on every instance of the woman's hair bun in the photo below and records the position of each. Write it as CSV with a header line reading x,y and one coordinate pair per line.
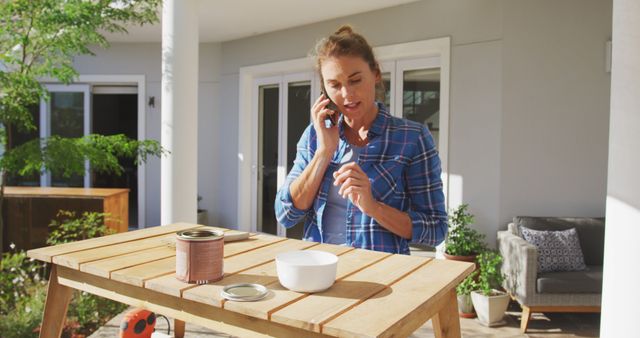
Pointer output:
x,y
345,29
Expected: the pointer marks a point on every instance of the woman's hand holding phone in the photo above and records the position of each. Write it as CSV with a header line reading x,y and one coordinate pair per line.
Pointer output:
x,y
327,136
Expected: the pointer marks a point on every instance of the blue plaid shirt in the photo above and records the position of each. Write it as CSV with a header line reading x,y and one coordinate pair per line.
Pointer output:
x,y
403,166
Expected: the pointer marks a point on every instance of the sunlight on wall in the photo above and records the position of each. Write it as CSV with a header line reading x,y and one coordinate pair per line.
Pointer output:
x,y
455,191
621,243
453,198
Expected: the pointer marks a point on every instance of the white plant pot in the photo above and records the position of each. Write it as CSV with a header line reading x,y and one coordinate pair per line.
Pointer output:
x,y
465,306
490,309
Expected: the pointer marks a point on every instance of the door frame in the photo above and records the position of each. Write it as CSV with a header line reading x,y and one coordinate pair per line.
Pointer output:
x,y
247,124
138,80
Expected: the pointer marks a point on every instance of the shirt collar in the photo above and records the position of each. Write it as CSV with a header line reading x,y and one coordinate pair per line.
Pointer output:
x,y
378,126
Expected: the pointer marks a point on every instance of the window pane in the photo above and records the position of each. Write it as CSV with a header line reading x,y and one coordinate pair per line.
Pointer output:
x,y
421,98
67,120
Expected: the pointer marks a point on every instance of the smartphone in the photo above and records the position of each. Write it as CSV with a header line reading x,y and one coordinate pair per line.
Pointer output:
x,y
330,120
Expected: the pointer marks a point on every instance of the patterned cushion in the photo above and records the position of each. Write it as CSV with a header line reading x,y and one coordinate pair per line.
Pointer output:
x,y
557,250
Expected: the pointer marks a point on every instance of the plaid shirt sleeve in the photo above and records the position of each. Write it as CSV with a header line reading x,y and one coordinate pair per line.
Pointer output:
x,y
286,213
428,213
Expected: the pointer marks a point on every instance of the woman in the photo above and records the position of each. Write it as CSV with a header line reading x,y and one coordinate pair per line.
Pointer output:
x,y
367,180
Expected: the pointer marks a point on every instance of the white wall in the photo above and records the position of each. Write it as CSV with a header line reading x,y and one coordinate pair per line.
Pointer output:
x,y
555,108
145,58
619,310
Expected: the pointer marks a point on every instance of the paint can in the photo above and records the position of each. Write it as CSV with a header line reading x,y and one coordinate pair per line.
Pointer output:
x,y
199,256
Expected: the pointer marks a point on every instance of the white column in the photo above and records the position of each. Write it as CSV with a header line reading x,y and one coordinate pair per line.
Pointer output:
x,y
621,254
179,122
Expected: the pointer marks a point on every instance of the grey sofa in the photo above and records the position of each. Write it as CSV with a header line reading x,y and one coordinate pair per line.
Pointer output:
x,y
575,291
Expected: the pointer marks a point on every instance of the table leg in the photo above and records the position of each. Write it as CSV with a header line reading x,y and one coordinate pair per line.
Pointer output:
x,y
179,326
55,308
446,322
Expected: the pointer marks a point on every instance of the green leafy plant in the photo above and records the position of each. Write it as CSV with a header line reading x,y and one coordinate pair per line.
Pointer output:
x,y
467,285
26,315
67,227
463,240
19,274
38,40
490,276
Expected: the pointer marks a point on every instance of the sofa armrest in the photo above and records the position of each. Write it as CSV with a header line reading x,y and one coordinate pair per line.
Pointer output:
x,y
520,265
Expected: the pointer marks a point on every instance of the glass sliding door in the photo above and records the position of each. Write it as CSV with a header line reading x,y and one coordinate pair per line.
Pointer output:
x,y
67,114
283,110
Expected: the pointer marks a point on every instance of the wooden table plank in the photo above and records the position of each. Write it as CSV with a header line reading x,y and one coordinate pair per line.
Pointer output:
x,y
279,295
348,263
312,311
104,267
262,255
254,260
139,274
74,259
252,243
403,307
46,254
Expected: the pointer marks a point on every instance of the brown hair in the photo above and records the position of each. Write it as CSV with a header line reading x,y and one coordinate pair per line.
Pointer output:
x,y
346,42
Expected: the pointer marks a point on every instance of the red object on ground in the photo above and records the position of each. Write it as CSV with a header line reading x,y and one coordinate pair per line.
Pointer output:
x,y
137,323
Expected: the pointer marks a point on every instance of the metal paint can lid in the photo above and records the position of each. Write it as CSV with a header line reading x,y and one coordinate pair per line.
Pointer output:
x,y
200,235
244,292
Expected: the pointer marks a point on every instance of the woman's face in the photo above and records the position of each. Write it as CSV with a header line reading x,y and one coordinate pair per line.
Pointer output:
x,y
351,85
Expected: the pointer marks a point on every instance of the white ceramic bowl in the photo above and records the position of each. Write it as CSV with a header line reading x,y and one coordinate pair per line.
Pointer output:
x,y
306,270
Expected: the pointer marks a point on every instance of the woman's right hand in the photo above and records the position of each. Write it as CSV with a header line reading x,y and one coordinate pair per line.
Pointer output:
x,y
327,137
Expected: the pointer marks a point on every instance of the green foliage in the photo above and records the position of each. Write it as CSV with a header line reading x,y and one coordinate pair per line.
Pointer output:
x,y
67,227
462,240
490,275
101,151
25,317
19,274
467,285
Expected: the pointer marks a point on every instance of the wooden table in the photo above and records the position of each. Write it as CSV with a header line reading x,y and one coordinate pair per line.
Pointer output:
x,y
29,210
376,294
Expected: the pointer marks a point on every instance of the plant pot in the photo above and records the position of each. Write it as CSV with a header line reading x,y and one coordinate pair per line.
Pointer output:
x,y
471,258
490,309
465,306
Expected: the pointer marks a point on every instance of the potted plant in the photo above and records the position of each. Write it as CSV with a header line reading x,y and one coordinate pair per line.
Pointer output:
x,y
463,243
490,304
463,291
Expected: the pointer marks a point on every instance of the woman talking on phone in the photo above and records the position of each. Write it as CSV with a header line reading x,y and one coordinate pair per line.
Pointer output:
x,y
361,177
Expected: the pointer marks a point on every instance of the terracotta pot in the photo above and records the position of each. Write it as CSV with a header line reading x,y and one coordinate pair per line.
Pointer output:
x,y
471,258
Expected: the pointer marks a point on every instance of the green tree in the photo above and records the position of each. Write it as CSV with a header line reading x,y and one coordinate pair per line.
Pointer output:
x,y
38,40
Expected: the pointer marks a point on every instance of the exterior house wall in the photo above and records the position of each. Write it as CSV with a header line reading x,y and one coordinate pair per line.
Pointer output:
x,y
529,101
145,58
